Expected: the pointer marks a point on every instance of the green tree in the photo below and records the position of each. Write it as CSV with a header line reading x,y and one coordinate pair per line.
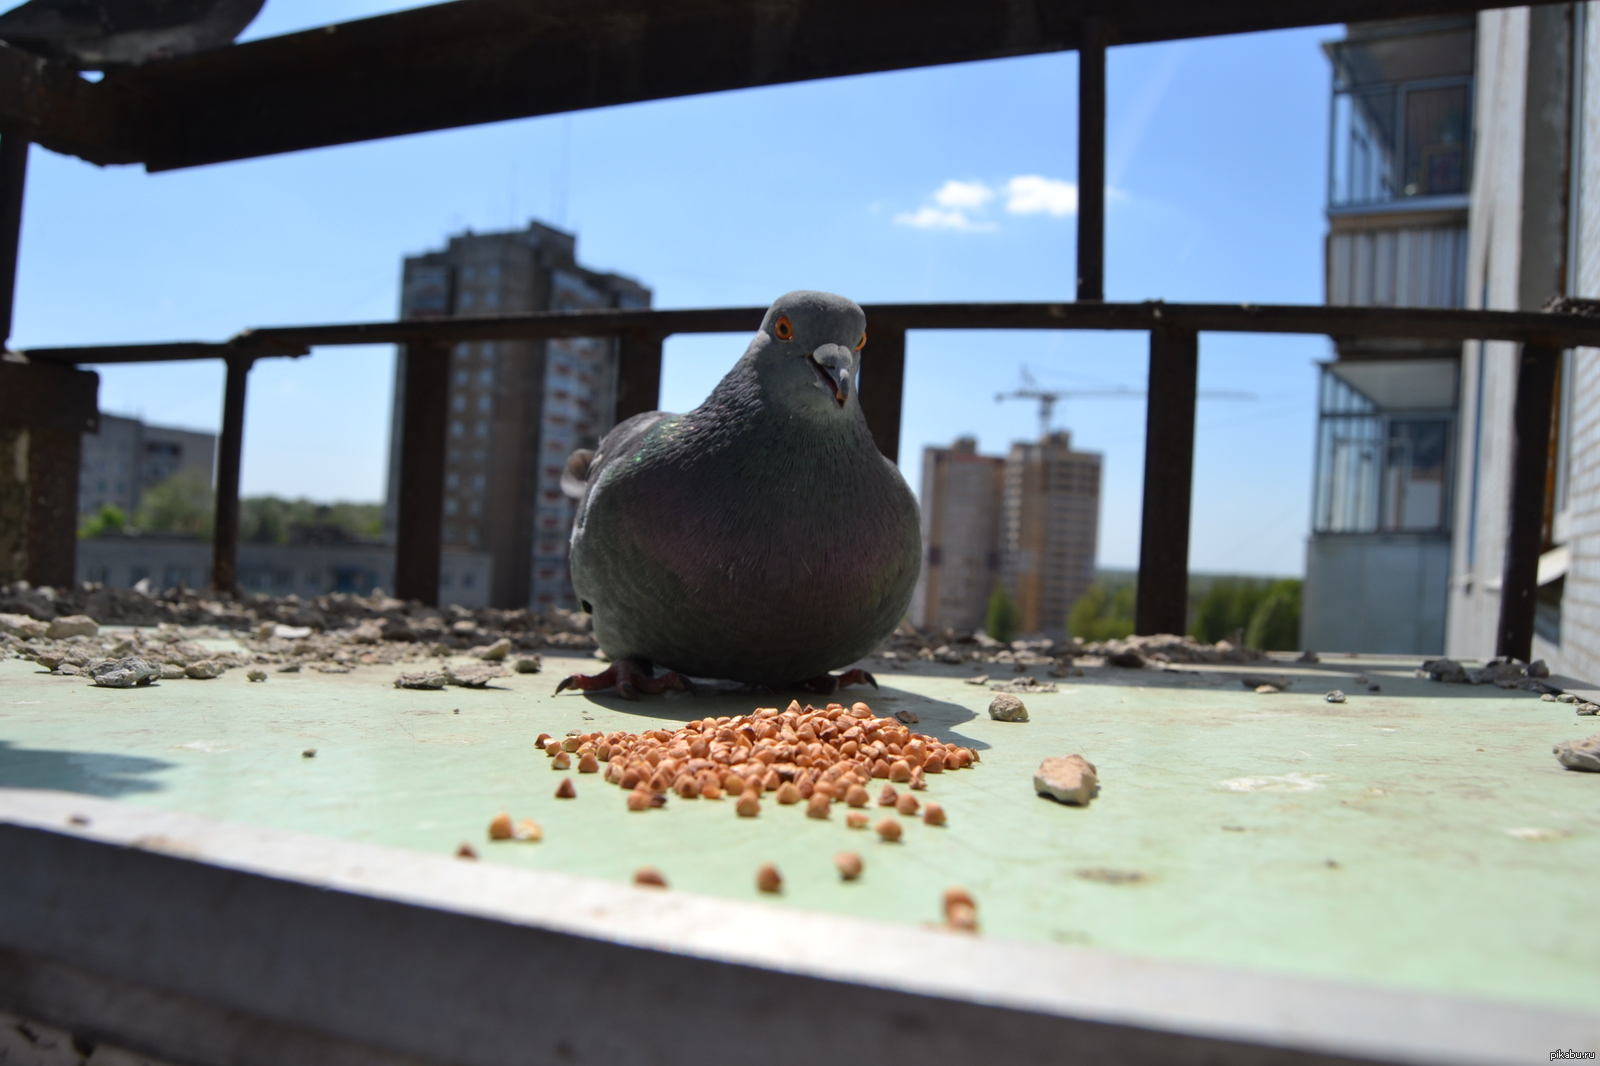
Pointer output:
x,y
1227,607
1102,613
1275,624
1001,623
109,519
267,519
181,504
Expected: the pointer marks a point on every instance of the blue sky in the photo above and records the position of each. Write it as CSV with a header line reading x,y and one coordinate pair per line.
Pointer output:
x,y
951,183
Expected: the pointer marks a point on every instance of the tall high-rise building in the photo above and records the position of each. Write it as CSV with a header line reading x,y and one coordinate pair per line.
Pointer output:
x,y
1049,529
961,501
517,408
1028,522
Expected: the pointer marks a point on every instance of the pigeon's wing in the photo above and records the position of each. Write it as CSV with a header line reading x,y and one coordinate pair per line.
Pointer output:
x,y
585,467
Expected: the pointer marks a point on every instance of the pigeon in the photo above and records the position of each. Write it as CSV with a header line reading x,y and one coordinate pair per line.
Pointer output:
x,y
99,34
761,538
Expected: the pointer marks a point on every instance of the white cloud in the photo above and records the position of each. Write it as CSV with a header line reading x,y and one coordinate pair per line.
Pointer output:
x,y
963,195
928,217
1034,194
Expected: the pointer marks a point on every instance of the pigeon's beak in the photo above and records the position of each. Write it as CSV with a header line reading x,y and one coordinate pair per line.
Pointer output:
x,y
832,363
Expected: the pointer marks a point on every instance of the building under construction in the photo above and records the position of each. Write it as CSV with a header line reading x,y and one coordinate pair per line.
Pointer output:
x,y
1028,521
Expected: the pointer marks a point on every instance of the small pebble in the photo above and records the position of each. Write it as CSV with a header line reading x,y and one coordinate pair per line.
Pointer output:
x,y
962,917
562,761
788,793
466,851
1007,708
906,717
528,830
888,797
1374,688
749,805
500,827
889,830
1588,708
1548,697
768,879
528,665
1265,690
856,820
1067,779
933,814
309,753
649,877
566,790
907,804
1336,696
856,796
849,864
256,674
818,806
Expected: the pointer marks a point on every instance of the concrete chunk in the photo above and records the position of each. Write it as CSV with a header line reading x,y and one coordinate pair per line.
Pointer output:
x,y
1067,779
73,625
1580,754
123,673
1007,708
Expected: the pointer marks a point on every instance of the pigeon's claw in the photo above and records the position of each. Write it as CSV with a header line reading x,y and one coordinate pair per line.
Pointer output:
x,y
857,677
627,679
828,684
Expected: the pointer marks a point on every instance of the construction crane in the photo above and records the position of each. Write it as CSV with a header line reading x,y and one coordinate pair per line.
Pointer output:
x,y
1047,397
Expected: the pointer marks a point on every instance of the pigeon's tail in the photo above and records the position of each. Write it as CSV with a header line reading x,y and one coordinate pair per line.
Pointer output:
x,y
575,478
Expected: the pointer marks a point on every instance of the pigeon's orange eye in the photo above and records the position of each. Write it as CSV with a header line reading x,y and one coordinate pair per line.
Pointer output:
x,y
783,329
862,343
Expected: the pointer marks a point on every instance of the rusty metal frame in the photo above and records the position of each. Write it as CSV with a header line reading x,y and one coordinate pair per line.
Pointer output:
x,y
477,61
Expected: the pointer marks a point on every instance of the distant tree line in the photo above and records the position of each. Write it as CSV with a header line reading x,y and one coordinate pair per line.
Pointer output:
x,y
1262,612
184,504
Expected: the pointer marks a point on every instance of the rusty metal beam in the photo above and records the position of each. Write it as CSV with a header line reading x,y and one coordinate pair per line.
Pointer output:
x,y
13,181
477,61
883,386
1564,329
44,412
1162,602
1530,458
638,373
425,381
230,454
49,103
1092,160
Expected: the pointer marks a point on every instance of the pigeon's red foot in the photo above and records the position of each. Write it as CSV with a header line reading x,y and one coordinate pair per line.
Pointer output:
x,y
828,684
627,679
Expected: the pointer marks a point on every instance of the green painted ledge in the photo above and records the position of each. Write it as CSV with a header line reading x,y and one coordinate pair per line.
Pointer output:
x,y
1421,837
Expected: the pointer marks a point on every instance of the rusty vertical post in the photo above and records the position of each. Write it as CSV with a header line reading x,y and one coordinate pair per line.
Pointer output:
x,y
230,453
1163,596
13,179
1530,458
883,381
424,415
638,373
44,412
1092,160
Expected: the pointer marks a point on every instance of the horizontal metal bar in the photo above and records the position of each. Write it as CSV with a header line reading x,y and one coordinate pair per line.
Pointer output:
x,y
1562,329
458,64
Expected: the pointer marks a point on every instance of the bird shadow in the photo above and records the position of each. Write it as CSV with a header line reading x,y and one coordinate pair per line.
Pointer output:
x,y
92,773
937,718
